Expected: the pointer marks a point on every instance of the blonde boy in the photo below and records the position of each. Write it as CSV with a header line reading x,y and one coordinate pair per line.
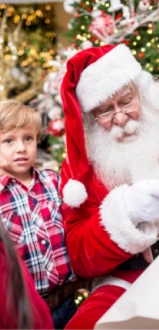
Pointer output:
x,y
30,207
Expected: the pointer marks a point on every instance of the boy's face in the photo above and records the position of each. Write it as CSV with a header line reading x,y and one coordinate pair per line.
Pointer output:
x,y
18,148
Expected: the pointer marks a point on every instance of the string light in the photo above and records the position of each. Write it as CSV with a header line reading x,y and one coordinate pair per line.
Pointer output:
x,y
48,7
149,31
47,21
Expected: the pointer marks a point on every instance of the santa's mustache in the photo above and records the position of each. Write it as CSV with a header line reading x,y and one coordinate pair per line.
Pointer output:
x,y
131,128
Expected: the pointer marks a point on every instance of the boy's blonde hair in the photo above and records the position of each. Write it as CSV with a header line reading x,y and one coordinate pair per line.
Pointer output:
x,y
15,114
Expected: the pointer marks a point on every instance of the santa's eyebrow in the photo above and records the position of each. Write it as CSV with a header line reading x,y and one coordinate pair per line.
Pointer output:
x,y
103,105
127,91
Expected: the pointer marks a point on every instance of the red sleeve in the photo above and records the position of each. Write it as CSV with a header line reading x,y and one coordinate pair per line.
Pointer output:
x,y
92,252
40,312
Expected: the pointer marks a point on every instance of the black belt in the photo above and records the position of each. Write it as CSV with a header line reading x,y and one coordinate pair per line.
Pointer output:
x,y
57,296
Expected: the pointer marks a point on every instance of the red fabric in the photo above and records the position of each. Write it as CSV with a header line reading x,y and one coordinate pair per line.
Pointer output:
x,y
98,303
91,250
94,307
41,315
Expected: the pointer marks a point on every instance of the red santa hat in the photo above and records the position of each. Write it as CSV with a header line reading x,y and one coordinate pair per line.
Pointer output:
x,y
92,76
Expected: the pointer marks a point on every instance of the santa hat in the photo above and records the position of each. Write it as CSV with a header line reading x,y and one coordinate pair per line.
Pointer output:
x,y
92,76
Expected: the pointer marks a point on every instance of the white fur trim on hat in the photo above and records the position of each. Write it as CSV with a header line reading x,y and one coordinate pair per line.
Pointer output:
x,y
74,193
122,231
101,79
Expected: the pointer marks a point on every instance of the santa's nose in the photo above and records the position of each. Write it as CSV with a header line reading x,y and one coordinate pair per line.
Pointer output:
x,y
120,119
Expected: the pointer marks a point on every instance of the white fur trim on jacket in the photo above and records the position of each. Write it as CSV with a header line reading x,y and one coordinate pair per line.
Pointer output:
x,y
74,193
106,76
109,280
122,231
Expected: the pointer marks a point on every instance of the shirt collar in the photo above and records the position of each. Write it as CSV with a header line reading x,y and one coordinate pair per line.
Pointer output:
x,y
6,178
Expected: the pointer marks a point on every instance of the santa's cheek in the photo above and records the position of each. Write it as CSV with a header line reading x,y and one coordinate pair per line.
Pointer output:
x,y
107,126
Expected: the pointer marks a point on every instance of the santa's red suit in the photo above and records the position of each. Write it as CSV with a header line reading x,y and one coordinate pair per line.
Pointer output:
x,y
102,241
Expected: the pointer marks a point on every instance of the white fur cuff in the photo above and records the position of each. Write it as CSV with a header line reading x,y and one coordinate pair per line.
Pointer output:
x,y
115,220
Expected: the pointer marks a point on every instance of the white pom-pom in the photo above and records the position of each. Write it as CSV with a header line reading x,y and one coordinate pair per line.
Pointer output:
x,y
74,193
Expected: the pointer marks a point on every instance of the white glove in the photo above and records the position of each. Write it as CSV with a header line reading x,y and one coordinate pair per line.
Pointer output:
x,y
142,201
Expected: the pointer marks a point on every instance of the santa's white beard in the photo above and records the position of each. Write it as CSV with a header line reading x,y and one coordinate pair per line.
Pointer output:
x,y
117,162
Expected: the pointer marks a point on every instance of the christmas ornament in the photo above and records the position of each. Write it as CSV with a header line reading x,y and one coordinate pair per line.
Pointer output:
x,y
143,5
55,112
102,26
56,127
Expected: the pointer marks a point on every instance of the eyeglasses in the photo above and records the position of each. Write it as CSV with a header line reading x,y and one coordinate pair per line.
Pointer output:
x,y
109,115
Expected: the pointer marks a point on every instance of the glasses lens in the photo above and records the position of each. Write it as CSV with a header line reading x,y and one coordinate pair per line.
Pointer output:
x,y
105,117
130,107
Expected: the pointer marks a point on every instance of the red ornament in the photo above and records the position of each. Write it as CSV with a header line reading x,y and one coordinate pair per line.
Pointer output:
x,y
118,16
102,26
77,15
56,127
141,54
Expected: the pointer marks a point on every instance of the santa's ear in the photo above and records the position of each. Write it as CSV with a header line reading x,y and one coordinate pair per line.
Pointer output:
x,y
74,193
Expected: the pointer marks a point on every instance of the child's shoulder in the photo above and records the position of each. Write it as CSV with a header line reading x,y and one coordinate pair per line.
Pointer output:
x,y
50,175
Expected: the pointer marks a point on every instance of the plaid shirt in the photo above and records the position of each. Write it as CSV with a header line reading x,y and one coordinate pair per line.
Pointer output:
x,y
33,218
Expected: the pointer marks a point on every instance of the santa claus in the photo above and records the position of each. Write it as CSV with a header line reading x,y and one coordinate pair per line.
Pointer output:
x,y
109,181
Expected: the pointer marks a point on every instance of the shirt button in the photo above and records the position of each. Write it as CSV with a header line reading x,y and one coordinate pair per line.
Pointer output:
x,y
33,193
43,242
156,251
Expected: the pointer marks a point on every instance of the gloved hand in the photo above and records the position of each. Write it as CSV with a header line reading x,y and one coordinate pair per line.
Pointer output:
x,y
142,201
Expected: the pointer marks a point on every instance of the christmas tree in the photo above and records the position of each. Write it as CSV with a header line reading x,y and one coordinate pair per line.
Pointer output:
x,y
27,40
133,22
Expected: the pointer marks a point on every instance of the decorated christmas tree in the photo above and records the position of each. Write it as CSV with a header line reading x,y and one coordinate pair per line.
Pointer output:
x,y
27,40
49,104
133,22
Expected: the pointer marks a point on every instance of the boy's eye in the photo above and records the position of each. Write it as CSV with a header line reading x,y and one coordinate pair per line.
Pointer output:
x,y
29,138
7,141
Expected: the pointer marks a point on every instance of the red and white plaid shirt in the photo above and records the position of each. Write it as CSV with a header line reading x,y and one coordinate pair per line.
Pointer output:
x,y
33,218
